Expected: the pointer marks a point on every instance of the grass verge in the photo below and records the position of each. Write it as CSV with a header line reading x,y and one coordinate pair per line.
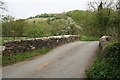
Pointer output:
x,y
22,56
89,38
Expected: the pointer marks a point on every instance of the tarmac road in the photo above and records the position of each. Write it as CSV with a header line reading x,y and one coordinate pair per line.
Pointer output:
x,y
66,61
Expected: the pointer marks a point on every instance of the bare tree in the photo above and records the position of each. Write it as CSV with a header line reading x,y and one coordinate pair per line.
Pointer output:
x,y
3,9
3,6
105,11
94,6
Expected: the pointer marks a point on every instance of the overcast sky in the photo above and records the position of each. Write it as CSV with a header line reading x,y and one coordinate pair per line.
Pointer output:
x,y
27,8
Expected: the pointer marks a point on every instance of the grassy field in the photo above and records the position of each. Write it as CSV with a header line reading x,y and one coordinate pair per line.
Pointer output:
x,y
22,56
36,20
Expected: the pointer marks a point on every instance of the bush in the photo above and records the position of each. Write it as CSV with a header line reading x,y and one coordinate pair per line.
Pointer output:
x,y
41,29
112,53
107,66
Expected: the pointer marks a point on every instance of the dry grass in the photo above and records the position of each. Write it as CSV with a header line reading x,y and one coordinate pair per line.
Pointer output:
x,y
36,20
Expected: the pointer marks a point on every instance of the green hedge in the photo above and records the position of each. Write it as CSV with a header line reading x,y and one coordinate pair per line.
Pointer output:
x,y
108,65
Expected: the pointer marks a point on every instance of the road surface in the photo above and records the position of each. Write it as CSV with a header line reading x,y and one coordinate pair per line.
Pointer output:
x,y
66,61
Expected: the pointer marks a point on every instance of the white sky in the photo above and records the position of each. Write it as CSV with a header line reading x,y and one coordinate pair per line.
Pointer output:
x,y
27,8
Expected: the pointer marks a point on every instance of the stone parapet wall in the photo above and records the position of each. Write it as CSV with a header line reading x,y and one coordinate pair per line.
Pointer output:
x,y
103,41
19,46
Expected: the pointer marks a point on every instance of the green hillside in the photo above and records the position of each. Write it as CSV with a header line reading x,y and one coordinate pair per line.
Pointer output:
x,y
36,20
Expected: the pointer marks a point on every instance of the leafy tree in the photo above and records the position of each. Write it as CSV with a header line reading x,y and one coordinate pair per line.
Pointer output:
x,y
64,27
40,29
12,27
104,15
86,20
6,25
7,19
117,20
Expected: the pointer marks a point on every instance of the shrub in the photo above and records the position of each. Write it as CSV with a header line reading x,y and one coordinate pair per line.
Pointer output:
x,y
107,66
112,53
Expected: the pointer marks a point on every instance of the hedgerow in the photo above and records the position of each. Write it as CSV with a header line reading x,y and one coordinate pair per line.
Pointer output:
x,y
106,65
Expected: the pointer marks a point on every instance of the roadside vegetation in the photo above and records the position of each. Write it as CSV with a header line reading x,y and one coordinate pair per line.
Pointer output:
x,y
23,56
107,63
89,38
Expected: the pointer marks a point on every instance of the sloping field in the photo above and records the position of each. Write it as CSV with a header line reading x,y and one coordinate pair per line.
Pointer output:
x,y
34,20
